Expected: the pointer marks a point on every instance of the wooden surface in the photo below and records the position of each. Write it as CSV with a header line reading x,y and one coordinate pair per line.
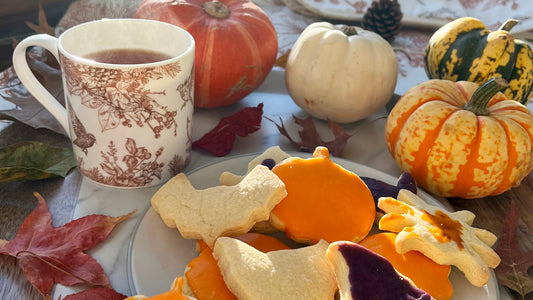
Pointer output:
x,y
490,212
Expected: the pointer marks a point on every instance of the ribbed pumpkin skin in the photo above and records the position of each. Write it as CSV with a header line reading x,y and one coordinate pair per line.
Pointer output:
x,y
451,151
465,49
233,55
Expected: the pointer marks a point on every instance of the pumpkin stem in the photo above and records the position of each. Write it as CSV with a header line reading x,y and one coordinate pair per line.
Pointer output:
x,y
508,25
216,9
348,30
483,94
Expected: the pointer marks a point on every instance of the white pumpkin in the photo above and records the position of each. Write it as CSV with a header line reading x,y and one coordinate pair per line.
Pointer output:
x,y
341,73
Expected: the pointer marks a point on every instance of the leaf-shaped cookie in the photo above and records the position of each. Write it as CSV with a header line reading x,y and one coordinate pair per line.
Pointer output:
x,y
447,238
303,273
221,210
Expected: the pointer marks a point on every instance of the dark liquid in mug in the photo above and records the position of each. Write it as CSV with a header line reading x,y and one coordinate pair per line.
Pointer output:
x,y
127,56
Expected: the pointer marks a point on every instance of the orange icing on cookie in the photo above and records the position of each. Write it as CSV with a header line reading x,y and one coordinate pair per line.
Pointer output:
x,y
324,201
425,273
175,293
203,275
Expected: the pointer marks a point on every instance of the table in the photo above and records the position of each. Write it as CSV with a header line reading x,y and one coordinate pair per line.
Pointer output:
x,y
75,197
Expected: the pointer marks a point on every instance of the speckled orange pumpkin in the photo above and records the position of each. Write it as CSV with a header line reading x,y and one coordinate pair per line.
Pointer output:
x,y
458,139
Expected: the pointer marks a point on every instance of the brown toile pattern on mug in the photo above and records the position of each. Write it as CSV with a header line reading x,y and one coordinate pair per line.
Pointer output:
x,y
122,98
138,168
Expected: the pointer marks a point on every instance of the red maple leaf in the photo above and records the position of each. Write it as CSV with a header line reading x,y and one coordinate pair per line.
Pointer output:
x,y
99,293
512,271
49,254
219,141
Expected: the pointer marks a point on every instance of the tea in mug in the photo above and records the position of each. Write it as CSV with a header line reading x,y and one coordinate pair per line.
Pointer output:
x,y
127,56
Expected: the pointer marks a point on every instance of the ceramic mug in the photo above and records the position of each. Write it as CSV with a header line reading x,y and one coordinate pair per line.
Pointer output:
x,y
128,94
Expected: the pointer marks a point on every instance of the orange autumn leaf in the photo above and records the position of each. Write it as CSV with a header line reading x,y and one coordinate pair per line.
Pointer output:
x,y
49,255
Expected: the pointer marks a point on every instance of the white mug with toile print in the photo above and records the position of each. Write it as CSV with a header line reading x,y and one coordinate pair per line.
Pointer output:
x,y
128,94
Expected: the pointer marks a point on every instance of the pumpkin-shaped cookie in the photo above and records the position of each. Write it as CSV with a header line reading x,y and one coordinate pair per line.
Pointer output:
x,y
324,201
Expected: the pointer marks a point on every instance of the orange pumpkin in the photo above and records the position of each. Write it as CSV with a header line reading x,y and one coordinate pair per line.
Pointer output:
x,y
236,45
459,139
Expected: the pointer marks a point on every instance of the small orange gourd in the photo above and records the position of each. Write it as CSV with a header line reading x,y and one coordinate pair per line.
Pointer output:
x,y
324,201
204,277
459,139
425,273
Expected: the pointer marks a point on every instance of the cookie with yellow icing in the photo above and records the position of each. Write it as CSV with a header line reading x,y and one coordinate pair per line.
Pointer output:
x,y
445,237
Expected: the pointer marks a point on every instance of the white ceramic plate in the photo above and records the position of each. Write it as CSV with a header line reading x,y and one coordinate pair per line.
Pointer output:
x,y
158,254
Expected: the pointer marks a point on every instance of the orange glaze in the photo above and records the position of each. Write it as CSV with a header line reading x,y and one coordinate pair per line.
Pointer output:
x,y
204,278
425,273
175,292
444,228
324,201
203,275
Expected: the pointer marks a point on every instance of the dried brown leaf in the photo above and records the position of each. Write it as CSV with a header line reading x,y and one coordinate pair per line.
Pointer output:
x,y
28,110
512,271
42,25
282,60
310,139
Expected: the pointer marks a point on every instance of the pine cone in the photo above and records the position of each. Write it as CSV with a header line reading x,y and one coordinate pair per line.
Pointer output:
x,y
384,18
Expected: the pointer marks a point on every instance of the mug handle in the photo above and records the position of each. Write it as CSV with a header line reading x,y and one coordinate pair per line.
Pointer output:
x,y
25,75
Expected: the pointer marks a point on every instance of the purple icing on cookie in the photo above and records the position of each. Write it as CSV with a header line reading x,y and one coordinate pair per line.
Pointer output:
x,y
371,276
269,162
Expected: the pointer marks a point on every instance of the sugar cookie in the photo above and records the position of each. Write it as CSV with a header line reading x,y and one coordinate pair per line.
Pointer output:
x,y
447,238
220,210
